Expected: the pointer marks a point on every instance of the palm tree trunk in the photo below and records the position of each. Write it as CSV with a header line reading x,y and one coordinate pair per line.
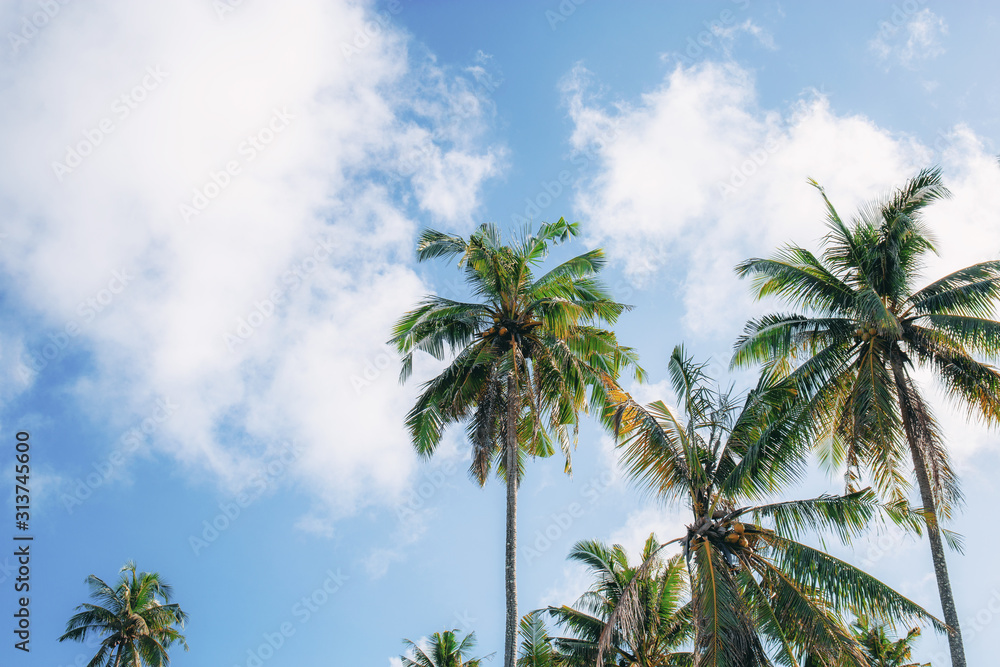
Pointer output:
x,y
510,443
930,514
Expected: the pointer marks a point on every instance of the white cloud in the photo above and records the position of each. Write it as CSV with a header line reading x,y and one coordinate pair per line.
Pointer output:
x,y
575,579
264,313
728,35
652,519
909,38
696,177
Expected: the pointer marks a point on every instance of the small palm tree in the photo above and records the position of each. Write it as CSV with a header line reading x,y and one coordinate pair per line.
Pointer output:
x,y
758,594
883,651
663,624
442,650
866,329
530,356
537,647
135,619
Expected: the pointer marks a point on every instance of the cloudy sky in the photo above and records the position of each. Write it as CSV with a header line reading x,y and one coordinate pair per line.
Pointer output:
x,y
209,210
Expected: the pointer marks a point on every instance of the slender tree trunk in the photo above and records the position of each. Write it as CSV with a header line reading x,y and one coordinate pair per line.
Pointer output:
x,y
933,531
510,443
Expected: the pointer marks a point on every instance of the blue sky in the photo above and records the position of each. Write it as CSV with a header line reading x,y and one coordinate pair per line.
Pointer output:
x,y
209,214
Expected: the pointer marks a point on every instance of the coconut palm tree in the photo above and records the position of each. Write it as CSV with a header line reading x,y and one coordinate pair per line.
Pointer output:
x,y
135,618
530,356
442,650
865,330
758,594
654,639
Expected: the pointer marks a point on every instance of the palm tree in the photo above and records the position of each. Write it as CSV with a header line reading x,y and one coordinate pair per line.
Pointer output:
x,y
883,651
537,649
443,650
865,330
758,594
528,353
137,626
663,623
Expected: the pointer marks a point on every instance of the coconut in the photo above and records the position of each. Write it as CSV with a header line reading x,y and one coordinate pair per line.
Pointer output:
x,y
738,527
733,538
743,542
872,331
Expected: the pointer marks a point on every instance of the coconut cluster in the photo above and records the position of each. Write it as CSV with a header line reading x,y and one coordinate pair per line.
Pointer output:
x,y
730,536
866,335
508,330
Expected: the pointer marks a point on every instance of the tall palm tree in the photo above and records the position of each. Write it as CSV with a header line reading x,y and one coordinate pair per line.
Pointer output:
x,y
135,618
530,356
443,650
664,618
865,330
758,594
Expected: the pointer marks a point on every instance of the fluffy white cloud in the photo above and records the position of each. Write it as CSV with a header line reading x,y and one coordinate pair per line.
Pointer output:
x,y
696,177
222,210
909,36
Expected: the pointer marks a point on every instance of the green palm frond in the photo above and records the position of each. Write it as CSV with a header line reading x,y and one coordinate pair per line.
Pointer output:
x,y
135,618
632,614
847,516
845,586
972,291
537,648
443,649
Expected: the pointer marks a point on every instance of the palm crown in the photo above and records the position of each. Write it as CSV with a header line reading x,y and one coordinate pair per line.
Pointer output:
x,y
137,627
865,330
443,649
664,619
758,594
541,335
